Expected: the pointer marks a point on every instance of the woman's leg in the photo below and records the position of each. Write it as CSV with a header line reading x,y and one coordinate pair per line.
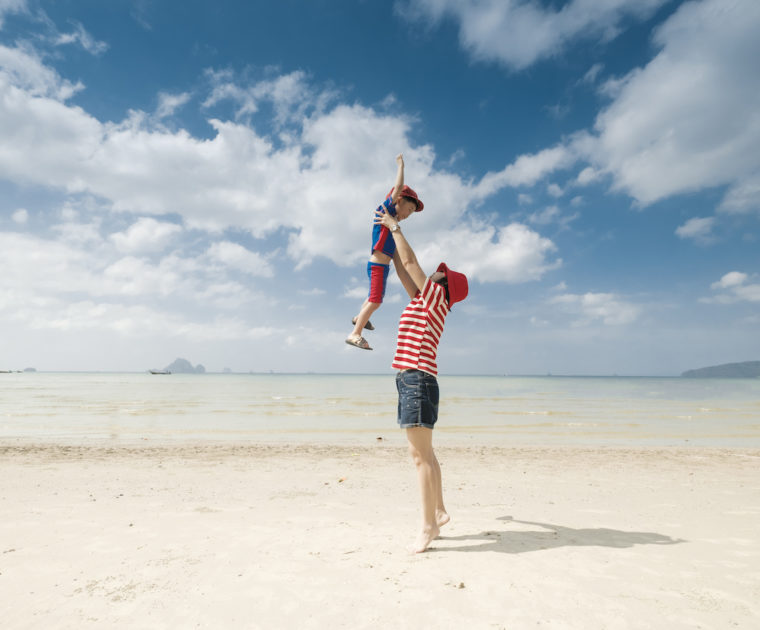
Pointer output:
x,y
441,515
429,477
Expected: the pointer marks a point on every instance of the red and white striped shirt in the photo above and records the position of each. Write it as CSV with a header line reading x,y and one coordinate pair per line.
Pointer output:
x,y
420,330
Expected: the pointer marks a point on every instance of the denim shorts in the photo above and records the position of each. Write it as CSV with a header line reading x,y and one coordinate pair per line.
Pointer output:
x,y
417,399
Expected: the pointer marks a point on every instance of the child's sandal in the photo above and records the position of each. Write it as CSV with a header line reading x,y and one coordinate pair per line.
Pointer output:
x,y
358,342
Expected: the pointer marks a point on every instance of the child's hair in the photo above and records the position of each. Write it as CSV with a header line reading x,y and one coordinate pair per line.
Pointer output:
x,y
412,199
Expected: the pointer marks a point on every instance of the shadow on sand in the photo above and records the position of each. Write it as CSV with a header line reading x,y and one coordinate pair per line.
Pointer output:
x,y
548,536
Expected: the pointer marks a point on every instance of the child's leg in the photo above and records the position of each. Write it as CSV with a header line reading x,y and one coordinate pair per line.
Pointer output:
x,y
363,317
378,278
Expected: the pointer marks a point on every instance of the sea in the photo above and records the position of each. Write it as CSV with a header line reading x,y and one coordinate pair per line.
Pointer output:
x,y
344,409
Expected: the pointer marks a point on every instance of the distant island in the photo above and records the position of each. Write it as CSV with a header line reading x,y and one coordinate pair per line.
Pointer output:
x,y
181,366
745,369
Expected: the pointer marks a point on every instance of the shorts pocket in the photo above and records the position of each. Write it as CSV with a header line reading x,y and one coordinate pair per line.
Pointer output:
x,y
430,412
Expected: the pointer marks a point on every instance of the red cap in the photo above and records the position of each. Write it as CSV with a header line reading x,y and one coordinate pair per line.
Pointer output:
x,y
458,287
408,192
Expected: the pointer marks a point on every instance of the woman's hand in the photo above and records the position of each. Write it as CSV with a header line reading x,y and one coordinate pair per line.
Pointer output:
x,y
383,218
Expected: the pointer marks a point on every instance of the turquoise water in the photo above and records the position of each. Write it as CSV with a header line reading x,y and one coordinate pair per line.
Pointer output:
x,y
354,409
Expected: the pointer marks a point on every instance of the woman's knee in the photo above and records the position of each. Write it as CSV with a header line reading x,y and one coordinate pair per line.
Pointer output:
x,y
420,455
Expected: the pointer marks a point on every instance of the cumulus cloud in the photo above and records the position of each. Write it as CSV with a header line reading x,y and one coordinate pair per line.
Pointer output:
x,y
239,258
698,228
690,119
319,182
743,196
20,216
736,288
587,176
608,308
42,265
146,235
50,284
518,33
512,254
23,76
730,280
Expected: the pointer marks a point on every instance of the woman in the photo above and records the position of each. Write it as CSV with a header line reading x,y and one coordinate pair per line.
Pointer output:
x,y
419,332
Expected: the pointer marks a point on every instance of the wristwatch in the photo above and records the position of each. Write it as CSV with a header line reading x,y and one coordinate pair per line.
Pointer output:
x,y
394,227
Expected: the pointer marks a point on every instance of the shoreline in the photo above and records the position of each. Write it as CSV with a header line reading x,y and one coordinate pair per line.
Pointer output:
x,y
10,447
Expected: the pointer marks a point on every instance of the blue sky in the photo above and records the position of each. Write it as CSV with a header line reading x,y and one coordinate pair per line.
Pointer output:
x,y
197,179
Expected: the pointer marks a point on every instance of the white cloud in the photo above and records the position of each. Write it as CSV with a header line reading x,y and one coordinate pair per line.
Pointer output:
x,y
587,176
24,76
11,6
518,34
42,266
545,216
136,277
737,289
590,307
239,258
146,235
85,286
83,38
357,292
512,254
552,215
526,170
290,95
20,216
592,73
318,183
689,119
731,279
46,270
524,199
743,196
697,228
170,103
554,190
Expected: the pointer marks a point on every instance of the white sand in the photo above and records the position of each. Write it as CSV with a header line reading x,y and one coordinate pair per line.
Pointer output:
x,y
214,536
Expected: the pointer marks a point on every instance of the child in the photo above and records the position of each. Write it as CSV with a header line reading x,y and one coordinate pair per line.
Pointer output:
x,y
401,202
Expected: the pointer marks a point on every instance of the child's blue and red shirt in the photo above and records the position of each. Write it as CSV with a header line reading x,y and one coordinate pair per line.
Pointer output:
x,y
381,235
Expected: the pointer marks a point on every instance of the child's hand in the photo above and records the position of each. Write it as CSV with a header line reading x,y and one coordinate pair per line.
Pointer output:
x,y
400,159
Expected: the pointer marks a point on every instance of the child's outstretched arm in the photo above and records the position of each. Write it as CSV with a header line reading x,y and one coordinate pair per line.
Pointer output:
x,y
399,178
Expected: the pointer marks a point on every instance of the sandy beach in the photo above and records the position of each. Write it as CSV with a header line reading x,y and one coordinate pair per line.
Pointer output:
x,y
221,536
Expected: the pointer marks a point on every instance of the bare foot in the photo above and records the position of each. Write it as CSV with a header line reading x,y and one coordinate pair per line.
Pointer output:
x,y
441,518
427,535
